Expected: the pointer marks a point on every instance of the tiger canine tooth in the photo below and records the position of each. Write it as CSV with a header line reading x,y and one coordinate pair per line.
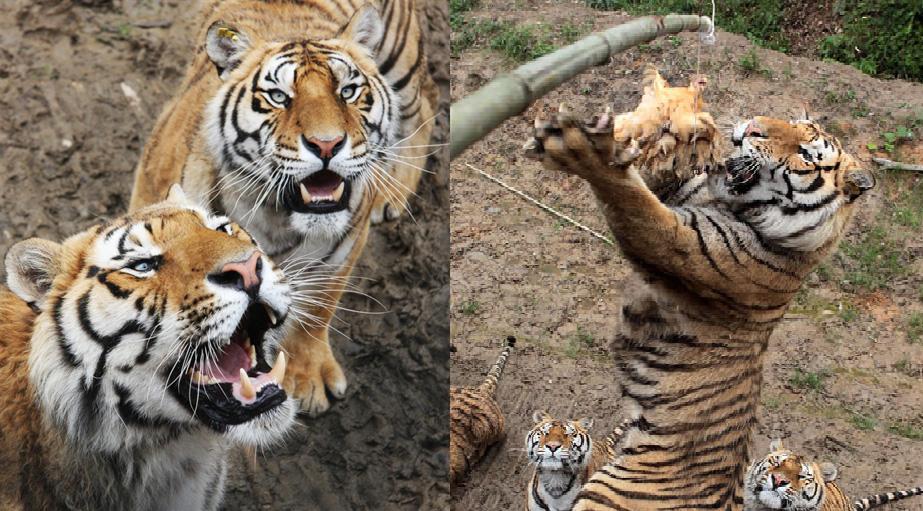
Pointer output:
x,y
339,191
252,353
278,371
246,386
305,195
273,320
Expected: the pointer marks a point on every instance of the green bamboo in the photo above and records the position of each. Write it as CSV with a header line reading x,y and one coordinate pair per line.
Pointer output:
x,y
476,115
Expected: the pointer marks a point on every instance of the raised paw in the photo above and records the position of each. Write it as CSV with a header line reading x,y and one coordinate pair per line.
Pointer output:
x,y
312,376
564,143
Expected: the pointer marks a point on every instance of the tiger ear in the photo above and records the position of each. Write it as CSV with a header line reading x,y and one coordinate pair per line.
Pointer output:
x,y
31,267
585,422
225,46
365,28
857,182
776,445
828,471
177,196
540,415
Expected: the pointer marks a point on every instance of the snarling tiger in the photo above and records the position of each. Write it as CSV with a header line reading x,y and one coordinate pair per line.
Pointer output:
x,y
135,354
565,456
302,121
717,263
475,419
785,480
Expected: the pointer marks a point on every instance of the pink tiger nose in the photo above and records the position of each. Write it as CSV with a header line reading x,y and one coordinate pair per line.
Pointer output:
x,y
241,275
324,148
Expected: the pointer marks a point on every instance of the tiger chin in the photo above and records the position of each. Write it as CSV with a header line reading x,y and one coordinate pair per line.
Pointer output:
x,y
305,122
717,259
783,479
136,354
565,456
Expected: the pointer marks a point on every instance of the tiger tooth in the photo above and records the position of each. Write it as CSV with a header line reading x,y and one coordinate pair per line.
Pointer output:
x,y
252,354
339,191
273,320
278,371
305,195
246,386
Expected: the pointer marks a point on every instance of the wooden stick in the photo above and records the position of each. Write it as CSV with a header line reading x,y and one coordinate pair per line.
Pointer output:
x,y
476,115
887,164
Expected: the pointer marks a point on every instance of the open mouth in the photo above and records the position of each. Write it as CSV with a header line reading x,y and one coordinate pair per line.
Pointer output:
x,y
235,383
741,173
320,193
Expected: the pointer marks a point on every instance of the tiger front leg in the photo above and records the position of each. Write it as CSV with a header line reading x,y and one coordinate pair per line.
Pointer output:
x,y
313,371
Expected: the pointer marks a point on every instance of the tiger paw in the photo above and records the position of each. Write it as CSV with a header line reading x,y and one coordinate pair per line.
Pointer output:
x,y
385,211
563,143
309,380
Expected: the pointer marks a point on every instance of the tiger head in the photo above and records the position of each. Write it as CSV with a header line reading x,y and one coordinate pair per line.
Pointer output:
x,y
554,444
784,480
792,181
303,126
161,322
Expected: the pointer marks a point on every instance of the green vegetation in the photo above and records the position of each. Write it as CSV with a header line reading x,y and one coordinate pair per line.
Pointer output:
x,y
761,20
518,43
579,343
807,380
876,259
880,37
906,430
915,327
864,422
470,307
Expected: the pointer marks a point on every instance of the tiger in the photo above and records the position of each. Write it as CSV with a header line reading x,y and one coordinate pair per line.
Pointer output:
x,y
564,455
135,355
475,419
785,480
304,122
716,264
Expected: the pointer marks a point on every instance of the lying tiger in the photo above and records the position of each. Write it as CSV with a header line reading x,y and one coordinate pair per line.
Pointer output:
x,y
135,355
785,480
717,263
565,456
302,121
475,419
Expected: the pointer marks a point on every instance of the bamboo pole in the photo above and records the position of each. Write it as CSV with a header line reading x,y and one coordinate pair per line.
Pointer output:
x,y
476,115
887,164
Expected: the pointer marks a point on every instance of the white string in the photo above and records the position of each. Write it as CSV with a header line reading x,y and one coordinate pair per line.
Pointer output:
x,y
709,38
544,207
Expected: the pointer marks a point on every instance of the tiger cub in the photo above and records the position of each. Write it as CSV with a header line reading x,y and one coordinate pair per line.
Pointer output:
x,y
785,480
475,419
135,354
717,263
565,456
302,121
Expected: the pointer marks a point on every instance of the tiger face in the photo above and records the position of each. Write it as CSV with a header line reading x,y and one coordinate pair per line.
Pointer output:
x,y
164,321
791,180
303,126
554,444
784,480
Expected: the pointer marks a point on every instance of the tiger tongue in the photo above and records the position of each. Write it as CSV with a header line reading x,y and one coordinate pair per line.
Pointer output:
x,y
321,186
230,361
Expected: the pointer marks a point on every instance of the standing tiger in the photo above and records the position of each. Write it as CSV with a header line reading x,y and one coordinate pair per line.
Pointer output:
x,y
475,419
716,264
565,456
135,355
303,121
785,480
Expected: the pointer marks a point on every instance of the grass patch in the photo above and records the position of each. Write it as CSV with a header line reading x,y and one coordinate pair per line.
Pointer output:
x,y
518,43
808,380
877,259
906,430
863,422
750,64
579,343
470,307
915,327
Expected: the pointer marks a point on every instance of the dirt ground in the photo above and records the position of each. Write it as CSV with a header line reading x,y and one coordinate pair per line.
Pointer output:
x,y
844,373
80,87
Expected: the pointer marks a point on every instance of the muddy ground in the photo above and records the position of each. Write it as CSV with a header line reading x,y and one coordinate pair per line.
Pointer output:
x,y
844,372
80,87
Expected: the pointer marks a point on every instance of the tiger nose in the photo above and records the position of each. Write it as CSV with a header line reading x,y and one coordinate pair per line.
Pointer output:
x,y
553,446
324,148
241,275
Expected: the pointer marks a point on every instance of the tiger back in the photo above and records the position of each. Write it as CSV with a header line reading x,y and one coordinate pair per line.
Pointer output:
x,y
717,263
303,121
476,420
135,355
